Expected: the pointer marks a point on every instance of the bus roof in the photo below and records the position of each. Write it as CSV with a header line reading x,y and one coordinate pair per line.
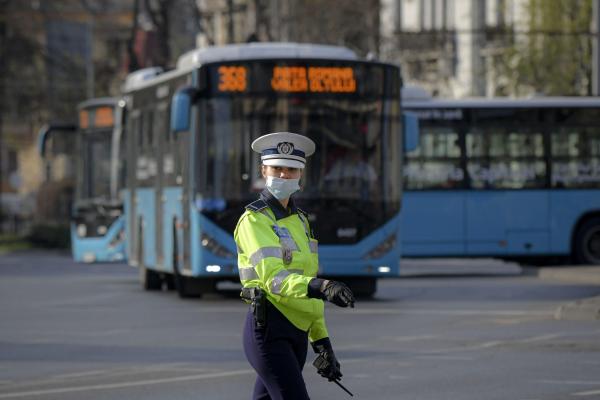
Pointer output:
x,y
234,52
257,51
416,97
98,102
547,102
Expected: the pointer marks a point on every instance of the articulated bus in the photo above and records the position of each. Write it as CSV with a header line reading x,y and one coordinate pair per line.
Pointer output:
x,y
97,221
192,170
509,178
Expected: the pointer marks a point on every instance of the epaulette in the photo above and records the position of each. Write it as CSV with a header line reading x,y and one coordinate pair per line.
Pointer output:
x,y
257,205
301,211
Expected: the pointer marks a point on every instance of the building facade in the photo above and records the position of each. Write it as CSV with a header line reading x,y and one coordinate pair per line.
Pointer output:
x,y
452,47
54,55
350,23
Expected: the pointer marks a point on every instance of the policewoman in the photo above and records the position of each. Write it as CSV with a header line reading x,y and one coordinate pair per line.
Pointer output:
x,y
278,263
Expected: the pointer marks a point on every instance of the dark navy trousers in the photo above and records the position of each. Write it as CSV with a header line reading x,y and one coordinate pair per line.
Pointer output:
x,y
277,353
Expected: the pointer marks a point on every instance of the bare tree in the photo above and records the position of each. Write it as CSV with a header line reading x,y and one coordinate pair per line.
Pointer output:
x,y
351,23
158,11
133,61
3,53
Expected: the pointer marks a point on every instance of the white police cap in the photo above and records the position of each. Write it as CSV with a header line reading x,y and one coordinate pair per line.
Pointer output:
x,y
284,149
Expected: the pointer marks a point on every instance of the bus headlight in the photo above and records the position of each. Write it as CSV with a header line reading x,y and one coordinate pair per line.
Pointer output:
x,y
382,248
81,230
213,268
101,230
214,247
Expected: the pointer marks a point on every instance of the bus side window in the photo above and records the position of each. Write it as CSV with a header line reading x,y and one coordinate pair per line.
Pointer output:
x,y
575,150
503,155
436,163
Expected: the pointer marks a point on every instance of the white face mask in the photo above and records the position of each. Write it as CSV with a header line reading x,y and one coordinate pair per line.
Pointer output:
x,y
282,188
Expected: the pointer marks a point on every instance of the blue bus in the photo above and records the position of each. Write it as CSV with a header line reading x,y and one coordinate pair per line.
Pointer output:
x,y
97,221
508,178
192,171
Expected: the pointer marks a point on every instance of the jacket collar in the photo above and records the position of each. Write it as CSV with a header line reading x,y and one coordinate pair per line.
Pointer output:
x,y
276,206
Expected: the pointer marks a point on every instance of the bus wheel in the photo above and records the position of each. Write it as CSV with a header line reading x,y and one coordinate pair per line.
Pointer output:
x,y
149,279
170,281
587,242
186,287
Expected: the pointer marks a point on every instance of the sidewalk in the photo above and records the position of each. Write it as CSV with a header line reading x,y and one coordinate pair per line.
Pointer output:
x,y
584,309
585,274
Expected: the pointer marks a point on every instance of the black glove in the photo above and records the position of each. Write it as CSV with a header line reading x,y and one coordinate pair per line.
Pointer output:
x,y
328,367
333,291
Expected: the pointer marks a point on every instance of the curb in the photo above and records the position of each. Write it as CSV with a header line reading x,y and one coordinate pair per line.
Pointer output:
x,y
585,309
579,310
589,275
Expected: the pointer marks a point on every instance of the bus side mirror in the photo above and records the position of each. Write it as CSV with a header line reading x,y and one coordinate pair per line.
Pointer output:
x,y
48,131
181,109
410,122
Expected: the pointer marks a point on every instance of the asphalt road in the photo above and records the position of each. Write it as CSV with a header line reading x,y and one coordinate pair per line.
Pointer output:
x,y
449,329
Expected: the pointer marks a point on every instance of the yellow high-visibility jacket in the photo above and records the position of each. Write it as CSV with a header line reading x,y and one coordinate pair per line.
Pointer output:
x,y
281,257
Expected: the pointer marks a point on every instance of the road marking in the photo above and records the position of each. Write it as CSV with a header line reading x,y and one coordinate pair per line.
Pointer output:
x,y
493,343
412,338
397,377
357,346
591,362
558,382
588,393
79,374
540,338
108,386
107,373
484,345
401,339
453,312
404,364
449,358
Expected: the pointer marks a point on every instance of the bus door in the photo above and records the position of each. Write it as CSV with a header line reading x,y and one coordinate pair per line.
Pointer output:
x,y
507,213
434,200
160,127
184,155
177,168
130,200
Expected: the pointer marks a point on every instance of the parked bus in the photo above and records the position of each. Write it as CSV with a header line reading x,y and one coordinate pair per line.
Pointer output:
x,y
508,178
189,179
97,221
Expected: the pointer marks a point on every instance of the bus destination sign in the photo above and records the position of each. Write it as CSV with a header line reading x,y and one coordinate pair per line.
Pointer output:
x,y
291,79
99,117
232,78
313,79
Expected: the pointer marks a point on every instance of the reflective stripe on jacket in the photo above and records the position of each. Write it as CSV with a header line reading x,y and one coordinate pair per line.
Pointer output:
x,y
264,249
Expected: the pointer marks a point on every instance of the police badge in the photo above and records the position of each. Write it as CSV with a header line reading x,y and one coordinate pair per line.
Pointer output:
x,y
285,148
287,255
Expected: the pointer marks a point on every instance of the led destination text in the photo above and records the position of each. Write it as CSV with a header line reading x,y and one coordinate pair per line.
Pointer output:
x,y
291,79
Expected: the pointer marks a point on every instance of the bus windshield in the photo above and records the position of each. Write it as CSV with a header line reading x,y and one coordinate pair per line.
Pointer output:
x,y
349,184
94,179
